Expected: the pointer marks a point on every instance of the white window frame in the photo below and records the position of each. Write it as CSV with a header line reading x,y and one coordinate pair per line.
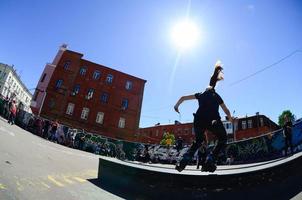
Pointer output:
x,y
90,93
243,124
261,121
70,109
85,113
250,123
122,122
109,78
59,83
129,85
96,75
83,71
99,118
66,65
104,97
125,103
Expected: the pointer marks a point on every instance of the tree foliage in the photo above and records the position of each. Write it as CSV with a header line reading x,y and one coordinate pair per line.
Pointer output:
x,y
285,113
168,139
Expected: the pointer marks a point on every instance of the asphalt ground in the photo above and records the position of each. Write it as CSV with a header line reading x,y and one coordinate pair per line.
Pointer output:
x,y
34,168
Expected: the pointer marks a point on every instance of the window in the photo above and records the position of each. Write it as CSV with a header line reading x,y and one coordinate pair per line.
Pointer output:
x,y
85,113
99,118
243,124
121,122
109,78
250,123
261,121
124,104
59,83
90,93
83,71
104,97
51,103
70,108
66,65
96,75
128,85
43,77
76,89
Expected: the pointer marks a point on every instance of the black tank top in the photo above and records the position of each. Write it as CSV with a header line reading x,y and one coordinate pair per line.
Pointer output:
x,y
209,102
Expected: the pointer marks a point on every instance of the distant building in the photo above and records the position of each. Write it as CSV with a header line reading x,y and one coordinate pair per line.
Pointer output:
x,y
90,96
12,87
253,126
154,134
243,128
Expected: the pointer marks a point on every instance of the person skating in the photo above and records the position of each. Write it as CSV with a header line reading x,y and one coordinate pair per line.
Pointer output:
x,y
207,118
287,132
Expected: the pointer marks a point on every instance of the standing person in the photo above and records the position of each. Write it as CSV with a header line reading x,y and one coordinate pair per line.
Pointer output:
x,y
12,112
53,131
287,133
46,128
207,118
6,108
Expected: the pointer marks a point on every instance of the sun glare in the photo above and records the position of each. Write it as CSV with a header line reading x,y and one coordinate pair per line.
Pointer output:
x,y
185,34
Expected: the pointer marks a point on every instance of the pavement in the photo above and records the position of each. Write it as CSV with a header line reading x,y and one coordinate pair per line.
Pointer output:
x,y
33,168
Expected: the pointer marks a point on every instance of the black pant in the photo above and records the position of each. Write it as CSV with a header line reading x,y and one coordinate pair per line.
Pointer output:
x,y
200,126
288,142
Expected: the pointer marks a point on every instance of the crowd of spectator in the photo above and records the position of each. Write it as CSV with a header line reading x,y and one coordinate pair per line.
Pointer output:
x,y
54,131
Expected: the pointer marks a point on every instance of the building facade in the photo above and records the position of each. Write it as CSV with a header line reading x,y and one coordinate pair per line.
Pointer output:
x,y
253,126
12,87
89,96
184,131
242,128
40,90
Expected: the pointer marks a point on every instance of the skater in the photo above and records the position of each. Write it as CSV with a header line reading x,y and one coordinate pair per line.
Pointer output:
x,y
287,133
207,118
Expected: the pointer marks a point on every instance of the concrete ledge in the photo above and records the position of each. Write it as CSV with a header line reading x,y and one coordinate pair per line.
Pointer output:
x,y
150,176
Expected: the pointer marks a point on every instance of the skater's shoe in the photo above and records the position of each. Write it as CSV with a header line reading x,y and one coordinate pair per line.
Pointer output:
x,y
209,165
183,163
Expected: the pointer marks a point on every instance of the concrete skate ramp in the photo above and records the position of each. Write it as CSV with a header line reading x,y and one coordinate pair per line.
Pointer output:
x,y
152,176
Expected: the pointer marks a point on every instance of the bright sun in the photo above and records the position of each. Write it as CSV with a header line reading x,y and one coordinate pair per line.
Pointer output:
x,y
185,34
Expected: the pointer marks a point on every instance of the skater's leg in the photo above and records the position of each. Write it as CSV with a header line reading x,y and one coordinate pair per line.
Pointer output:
x,y
218,130
187,157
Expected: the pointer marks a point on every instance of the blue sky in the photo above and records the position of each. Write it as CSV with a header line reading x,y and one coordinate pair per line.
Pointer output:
x,y
135,37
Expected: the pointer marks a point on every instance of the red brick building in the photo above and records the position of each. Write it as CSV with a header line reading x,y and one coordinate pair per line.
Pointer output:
x,y
155,134
245,128
90,96
253,126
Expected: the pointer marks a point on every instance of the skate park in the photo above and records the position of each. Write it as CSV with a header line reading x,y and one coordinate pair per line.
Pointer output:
x,y
266,178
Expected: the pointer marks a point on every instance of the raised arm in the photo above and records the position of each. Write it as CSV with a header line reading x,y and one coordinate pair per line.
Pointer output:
x,y
182,99
227,112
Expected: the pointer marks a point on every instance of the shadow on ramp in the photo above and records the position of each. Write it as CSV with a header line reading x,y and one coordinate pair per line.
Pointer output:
x,y
274,180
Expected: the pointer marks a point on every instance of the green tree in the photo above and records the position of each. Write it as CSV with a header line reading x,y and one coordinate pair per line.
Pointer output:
x,y
285,113
168,139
